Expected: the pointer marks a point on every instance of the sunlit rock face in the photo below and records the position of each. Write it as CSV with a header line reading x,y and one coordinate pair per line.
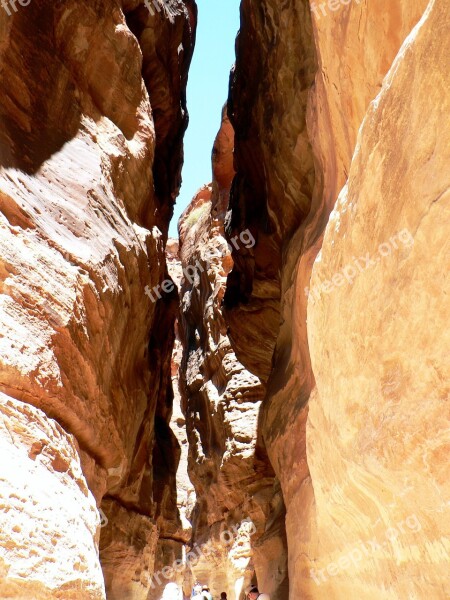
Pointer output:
x,y
309,413
382,475
301,88
235,488
86,192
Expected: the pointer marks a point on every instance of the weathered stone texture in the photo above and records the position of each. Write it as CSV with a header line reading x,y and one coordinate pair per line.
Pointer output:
x,y
221,401
86,192
314,407
382,474
299,93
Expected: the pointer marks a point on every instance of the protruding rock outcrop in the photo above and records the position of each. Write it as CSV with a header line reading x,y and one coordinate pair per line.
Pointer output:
x,y
90,149
236,490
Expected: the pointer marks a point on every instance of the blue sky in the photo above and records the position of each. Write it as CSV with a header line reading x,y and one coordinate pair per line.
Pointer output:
x,y
207,91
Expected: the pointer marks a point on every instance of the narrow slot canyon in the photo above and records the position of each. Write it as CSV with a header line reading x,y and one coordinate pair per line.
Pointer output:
x,y
260,401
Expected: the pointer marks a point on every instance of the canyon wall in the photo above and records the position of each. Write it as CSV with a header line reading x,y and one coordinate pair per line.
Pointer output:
x,y
281,419
237,494
92,115
382,475
301,88
357,524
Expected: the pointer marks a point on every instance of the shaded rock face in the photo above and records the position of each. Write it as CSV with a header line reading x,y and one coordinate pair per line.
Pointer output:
x,y
235,487
185,489
90,149
173,540
275,68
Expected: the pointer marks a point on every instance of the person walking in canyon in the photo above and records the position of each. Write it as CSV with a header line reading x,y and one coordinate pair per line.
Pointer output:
x,y
206,594
252,593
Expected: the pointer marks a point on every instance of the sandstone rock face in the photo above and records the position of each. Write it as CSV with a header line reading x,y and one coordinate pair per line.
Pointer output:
x,y
300,91
173,541
235,488
86,191
185,489
49,534
386,398
257,423
271,193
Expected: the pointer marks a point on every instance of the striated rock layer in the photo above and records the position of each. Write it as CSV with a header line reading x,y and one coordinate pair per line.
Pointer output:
x,y
235,488
90,151
309,412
